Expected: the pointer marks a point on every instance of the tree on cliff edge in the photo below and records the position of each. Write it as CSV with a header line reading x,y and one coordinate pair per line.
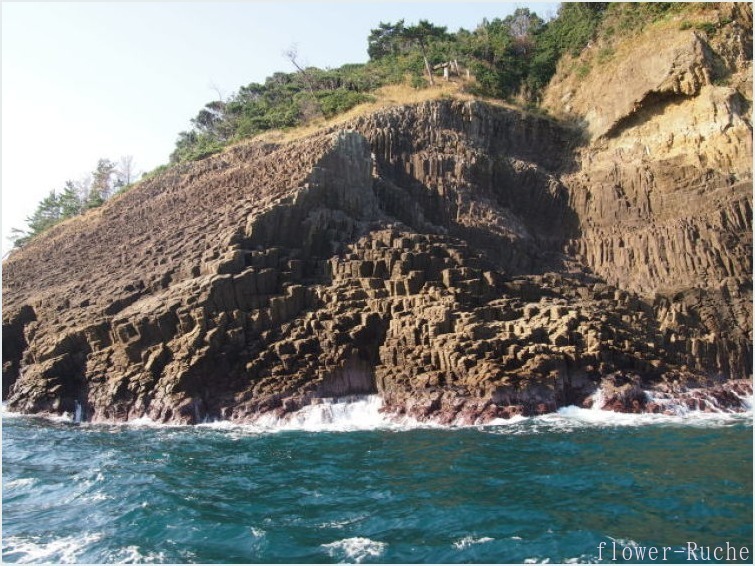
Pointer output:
x,y
422,34
102,183
47,214
76,198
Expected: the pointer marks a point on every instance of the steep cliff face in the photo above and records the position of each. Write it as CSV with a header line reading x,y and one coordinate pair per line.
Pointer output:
x,y
663,189
464,260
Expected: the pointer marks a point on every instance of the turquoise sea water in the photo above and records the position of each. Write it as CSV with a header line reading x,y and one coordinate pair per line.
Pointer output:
x,y
543,489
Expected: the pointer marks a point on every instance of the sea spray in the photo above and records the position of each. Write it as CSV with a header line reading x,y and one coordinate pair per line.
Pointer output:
x,y
355,549
367,412
349,413
78,413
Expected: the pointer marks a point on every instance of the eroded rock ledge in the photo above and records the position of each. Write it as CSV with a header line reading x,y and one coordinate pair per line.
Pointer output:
x,y
465,261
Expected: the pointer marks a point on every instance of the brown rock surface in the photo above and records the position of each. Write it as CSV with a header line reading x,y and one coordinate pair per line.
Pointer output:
x,y
466,261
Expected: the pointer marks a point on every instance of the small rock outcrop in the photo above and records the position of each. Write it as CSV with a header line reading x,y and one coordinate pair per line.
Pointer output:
x,y
466,261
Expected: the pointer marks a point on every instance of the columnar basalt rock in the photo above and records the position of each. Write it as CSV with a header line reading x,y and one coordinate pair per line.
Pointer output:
x,y
466,261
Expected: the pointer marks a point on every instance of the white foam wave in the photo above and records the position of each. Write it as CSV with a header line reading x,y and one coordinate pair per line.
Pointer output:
x,y
8,414
329,415
678,405
468,541
146,422
674,412
365,413
626,542
62,418
339,524
747,401
362,413
60,550
597,398
258,533
20,482
516,419
587,417
575,418
582,559
355,549
96,497
133,555
259,540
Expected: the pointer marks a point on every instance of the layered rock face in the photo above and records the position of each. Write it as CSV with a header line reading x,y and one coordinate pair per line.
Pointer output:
x,y
664,189
463,260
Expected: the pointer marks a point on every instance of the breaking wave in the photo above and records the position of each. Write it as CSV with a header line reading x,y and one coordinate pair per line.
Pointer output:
x,y
355,549
345,414
357,413
366,413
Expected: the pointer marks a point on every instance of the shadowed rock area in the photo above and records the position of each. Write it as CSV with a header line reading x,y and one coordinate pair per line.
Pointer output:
x,y
464,260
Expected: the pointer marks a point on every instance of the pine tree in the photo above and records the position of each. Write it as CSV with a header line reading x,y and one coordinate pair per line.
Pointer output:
x,y
102,183
47,214
18,237
71,201
422,33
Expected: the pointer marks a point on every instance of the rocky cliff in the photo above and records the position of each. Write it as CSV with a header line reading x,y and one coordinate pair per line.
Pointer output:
x,y
464,260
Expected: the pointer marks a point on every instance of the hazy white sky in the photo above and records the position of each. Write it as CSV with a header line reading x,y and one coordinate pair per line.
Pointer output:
x,y
85,80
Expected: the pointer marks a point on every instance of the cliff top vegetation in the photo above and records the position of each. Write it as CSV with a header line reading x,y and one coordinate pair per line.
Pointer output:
x,y
509,60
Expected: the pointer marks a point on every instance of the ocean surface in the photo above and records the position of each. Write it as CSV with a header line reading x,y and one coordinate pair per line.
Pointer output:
x,y
340,483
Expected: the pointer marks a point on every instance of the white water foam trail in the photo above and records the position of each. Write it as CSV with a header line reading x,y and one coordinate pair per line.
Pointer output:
x,y
62,550
133,555
355,549
468,541
149,423
20,482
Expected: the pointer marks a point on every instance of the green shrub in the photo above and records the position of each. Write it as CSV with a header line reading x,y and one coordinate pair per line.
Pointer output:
x,y
419,81
583,70
707,27
605,54
339,101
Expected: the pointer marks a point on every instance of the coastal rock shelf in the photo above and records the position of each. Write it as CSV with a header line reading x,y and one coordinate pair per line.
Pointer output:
x,y
464,260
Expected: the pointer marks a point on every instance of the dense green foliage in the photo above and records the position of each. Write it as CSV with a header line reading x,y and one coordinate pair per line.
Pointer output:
x,y
509,57
569,33
621,18
284,100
